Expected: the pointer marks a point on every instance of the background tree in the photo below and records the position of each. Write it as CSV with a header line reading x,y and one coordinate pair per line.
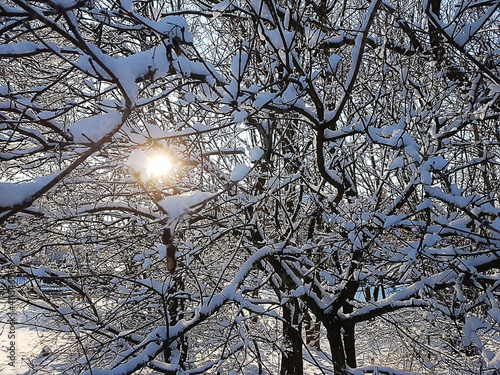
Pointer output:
x,y
332,171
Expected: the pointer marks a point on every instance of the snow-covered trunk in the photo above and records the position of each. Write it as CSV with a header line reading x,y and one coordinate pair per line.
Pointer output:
x,y
291,360
176,353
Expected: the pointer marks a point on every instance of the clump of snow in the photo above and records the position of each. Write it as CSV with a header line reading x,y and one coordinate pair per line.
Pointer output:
x,y
128,69
398,162
193,69
494,88
333,62
137,162
171,26
495,226
256,153
411,147
19,48
458,200
162,251
13,194
202,127
427,203
178,205
64,310
493,360
262,99
147,263
93,129
240,116
392,220
433,164
155,131
126,4
472,324
239,172
238,64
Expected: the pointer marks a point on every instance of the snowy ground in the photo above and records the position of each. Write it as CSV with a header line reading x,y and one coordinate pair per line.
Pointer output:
x,y
25,345
382,346
23,338
29,342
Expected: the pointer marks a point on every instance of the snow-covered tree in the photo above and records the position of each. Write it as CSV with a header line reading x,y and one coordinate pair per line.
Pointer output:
x,y
253,186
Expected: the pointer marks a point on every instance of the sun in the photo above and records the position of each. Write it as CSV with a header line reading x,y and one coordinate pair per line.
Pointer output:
x,y
158,166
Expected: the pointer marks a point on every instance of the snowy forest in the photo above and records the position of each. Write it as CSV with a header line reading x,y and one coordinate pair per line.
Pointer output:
x,y
251,186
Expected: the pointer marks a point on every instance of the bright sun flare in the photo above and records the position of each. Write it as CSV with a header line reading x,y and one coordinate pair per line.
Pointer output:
x,y
158,166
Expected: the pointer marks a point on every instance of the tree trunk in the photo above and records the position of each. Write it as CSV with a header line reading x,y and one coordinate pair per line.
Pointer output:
x,y
436,39
313,329
291,360
333,333
349,338
175,308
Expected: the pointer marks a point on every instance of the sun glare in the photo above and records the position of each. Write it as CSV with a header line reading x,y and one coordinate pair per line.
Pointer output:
x,y
158,166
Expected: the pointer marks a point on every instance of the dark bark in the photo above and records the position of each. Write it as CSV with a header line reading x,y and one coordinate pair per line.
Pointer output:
x,y
291,360
349,338
313,329
334,335
435,37
175,308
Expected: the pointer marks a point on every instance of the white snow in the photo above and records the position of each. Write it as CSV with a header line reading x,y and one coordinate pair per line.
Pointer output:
x,y
472,324
126,4
29,342
393,220
398,162
94,128
239,172
457,200
411,147
171,26
495,226
240,116
19,48
155,131
262,99
126,69
238,64
137,162
431,239
435,163
193,69
178,205
12,194
256,153
470,29
334,62
427,203
162,251
494,360
494,88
